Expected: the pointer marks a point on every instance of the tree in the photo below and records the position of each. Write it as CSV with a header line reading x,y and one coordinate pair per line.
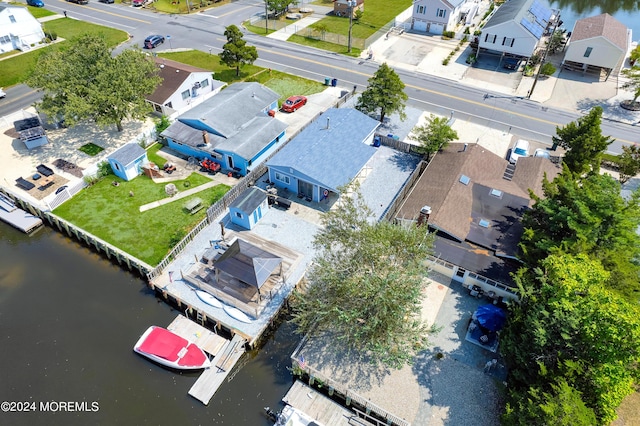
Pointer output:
x,y
633,74
384,92
280,6
634,56
629,162
583,141
573,328
556,41
434,135
586,216
322,27
366,284
235,52
84,81
547,69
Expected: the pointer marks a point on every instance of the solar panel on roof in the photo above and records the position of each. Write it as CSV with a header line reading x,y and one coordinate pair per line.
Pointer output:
x,y
484,223
465,179
533,27
541,12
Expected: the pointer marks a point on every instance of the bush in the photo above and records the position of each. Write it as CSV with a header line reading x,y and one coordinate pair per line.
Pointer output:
x,y
467,31
445,61
104,169
471,59
547,69
448,34
477,32
535,59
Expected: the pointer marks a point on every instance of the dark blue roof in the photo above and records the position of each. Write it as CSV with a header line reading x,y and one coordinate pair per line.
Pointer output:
x,y
331,150
249,200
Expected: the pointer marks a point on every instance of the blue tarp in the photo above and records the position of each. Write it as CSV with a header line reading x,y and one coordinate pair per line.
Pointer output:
x,y
490,317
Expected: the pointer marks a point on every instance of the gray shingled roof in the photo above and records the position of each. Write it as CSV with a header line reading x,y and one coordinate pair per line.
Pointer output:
x,y
249,200
456,208
127,154
508,11
232,108
248,263
603,25
329,156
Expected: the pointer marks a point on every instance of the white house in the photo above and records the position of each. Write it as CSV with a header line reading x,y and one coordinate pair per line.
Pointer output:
x,y
18,29
598,41
437,16
183,86
516,28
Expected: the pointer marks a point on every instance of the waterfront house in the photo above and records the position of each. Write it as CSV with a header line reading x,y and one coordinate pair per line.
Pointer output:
x,y
18,29
437,16
248,208
326,155
126,162
598,42
469,197
233,128
183,87
516,28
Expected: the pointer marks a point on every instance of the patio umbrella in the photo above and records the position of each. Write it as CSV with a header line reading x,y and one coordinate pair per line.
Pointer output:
x,y
491,317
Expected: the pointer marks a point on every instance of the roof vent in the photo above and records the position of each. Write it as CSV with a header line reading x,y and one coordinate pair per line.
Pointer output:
x,y
328,122
423,218
464,179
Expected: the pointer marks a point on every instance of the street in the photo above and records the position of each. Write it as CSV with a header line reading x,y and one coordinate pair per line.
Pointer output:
x,y
204,31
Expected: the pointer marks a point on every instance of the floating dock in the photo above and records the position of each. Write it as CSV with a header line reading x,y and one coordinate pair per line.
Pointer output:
x,y
16,217
320,408
226,354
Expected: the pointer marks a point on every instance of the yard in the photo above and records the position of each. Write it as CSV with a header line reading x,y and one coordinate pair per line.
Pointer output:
x,y
112,214
283,84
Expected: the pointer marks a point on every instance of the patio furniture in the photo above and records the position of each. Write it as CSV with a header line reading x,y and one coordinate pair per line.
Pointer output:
x,y
24,184
44,170
194,205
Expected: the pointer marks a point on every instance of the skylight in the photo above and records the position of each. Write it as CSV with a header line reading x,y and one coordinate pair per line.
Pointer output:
x,y
496,193
465,179
484,223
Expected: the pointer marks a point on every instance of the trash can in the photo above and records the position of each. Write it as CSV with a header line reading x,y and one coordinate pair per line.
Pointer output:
x,y
376,141
327,81
334,82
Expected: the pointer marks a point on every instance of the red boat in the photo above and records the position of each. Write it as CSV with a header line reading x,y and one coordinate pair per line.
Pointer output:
x,y
171,350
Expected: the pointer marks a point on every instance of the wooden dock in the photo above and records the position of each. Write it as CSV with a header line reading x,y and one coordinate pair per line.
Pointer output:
x,y
319,407
226,354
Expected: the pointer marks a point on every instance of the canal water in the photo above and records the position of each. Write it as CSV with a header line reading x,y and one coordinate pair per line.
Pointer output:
x,y
68,322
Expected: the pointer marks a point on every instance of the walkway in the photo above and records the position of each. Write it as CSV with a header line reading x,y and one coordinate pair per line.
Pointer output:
x,y
178,196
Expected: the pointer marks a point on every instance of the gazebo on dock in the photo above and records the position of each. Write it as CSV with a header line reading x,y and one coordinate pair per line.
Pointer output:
x,y
246,264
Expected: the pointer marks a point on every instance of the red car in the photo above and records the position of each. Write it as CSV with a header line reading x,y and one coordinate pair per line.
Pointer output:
x,y
293,103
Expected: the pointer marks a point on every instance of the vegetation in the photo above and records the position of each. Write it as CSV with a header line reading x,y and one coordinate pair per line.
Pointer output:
x,y
556,41
634,56
583,141
236,53
385,92
110,213
161,124
91,149
629,162
18,68
547,69
152,155
280,6
325,45
633,74
84,81
366,285
434,135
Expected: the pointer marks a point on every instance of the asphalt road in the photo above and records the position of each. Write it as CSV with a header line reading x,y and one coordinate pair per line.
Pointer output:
x,y
205,32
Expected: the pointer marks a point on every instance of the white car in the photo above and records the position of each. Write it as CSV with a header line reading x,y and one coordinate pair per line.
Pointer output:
x,y
2,93
520,149
541,152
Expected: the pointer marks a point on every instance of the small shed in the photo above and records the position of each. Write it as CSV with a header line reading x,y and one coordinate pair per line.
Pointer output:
x,y
249,207
31,132
126,162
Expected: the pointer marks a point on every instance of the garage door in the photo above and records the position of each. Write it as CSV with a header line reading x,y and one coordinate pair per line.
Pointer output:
x,y
419,26
435,28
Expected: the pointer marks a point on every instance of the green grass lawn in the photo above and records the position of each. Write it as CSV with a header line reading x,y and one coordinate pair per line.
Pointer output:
x,y
325,45
109,213
17,69
283,84
91,149
152,155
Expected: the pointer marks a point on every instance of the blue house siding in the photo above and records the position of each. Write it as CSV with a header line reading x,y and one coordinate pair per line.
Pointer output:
x,y
240,218
248,208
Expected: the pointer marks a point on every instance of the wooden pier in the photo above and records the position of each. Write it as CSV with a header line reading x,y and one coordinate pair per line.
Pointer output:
x,y
226,354
320,408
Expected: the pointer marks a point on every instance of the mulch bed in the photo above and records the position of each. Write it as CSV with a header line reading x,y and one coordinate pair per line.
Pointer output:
x,y
39,192
68,167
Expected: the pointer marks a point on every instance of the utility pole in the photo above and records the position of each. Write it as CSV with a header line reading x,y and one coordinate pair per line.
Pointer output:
x,y
544,56
266,17
351,4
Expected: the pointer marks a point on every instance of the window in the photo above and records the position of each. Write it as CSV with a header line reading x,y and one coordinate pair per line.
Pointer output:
x,y
441,13
204,83
421,9
5,39
490,38
12,19
186,94
507,41
282,178
239,215
465,179
588,52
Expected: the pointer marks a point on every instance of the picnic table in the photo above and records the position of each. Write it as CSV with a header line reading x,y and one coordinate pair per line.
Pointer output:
x,y
194,205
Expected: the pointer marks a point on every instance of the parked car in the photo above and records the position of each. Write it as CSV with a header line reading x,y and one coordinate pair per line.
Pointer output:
x,y
106,1
541,152
153,41
79,1
35,3
520,149
293,103
2,93
511,63
137,3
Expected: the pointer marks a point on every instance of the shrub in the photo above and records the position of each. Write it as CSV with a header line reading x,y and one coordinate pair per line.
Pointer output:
x,y
467,31
456,49
464,40
471,59
445,61
477,32
535,59
104,169
448,34
547,69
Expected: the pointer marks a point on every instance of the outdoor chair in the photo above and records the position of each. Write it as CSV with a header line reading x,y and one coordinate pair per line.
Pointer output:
x,y
44,170
24,184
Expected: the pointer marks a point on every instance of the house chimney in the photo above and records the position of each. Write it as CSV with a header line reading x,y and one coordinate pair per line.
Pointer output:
x,y
328,122
423,218
205,137
253,94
